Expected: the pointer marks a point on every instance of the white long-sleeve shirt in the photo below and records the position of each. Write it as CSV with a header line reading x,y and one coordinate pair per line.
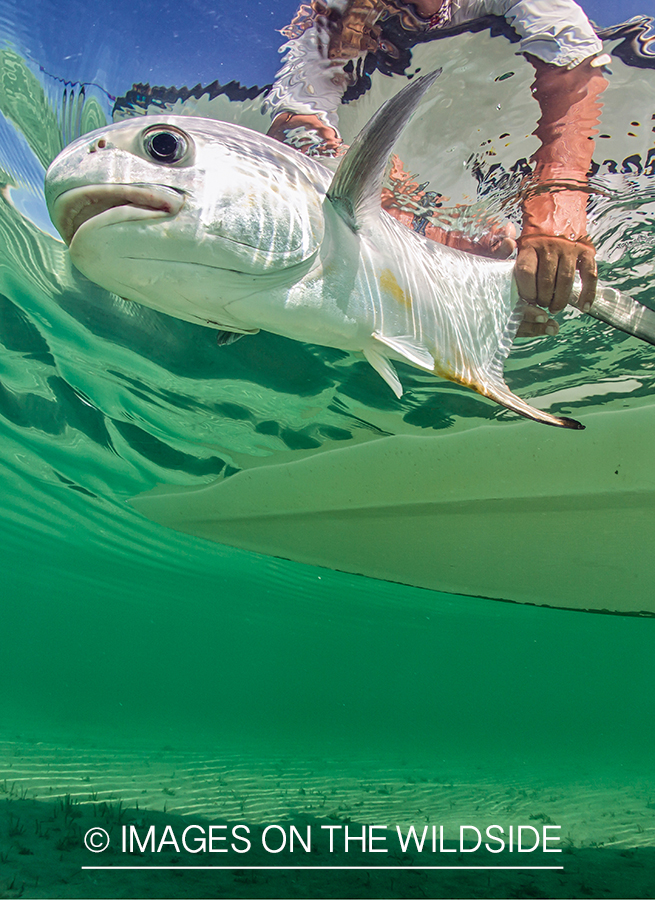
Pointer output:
x,y
555,31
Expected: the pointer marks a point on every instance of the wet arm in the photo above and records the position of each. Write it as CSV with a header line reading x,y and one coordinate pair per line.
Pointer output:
x,y
308,89
554,242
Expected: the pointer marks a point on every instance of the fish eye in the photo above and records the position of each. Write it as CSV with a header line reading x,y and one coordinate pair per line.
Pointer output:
x,y
165,145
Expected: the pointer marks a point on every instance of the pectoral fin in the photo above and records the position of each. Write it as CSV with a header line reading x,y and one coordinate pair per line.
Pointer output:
x,y
384,368
223,338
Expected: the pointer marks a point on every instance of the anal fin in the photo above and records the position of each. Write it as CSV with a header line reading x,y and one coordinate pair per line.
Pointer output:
x,y
409,347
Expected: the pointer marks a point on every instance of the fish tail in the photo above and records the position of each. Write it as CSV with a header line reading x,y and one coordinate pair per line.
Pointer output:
x,y
622,312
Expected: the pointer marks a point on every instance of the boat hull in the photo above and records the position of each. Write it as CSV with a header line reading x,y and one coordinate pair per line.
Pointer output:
x,y
507,512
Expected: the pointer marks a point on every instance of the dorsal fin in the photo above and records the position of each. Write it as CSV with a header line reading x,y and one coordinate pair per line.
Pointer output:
x,y
357,184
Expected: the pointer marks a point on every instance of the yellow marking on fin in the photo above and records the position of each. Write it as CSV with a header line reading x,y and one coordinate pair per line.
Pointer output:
x,y
390,286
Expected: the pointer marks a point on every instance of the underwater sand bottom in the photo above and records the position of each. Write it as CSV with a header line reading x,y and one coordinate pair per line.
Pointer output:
x,y
50,796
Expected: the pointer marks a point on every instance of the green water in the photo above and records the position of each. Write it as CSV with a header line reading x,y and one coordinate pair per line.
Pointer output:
x,y
224,647
124,638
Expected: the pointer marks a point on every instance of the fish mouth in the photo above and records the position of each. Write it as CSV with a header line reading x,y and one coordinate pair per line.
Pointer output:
x,y
76,206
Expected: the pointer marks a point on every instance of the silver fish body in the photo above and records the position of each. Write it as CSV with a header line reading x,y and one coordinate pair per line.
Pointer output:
x,y
219,225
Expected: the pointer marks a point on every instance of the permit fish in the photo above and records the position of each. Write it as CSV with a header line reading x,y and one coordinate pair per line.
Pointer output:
x,y
220,225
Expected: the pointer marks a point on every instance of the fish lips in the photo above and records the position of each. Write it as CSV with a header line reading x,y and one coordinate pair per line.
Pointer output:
x,y
109,202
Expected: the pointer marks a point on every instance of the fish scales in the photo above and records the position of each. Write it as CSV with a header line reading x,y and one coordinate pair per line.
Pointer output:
x,y
216,224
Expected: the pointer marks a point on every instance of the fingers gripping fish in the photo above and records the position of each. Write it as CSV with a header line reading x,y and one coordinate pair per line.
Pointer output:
x,y
219,225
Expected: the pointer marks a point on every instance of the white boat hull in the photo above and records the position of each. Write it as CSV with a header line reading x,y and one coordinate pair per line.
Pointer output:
x,y
507,512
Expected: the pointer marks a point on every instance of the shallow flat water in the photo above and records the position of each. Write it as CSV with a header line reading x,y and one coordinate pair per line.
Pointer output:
x,y
138,663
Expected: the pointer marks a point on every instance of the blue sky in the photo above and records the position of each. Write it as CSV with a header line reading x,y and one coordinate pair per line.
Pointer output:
x,y
609,12
171,42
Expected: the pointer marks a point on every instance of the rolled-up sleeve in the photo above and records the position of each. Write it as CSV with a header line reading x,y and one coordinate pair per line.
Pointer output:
x,y
555,31
308,82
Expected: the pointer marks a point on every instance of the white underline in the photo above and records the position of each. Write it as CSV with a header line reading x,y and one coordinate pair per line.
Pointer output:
x,y
371,868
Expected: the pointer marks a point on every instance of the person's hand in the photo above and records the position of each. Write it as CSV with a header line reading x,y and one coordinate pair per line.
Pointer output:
x,y
546,267
500,243
327,142
536,322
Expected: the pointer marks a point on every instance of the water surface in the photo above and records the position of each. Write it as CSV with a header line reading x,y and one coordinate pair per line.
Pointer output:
x,y
125,638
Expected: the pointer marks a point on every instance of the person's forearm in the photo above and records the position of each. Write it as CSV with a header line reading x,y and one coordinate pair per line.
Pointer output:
x,y
309,84
570,112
